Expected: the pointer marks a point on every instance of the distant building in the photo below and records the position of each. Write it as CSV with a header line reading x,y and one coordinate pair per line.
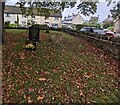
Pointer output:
x,y
13,14
108,20
74,19
117,25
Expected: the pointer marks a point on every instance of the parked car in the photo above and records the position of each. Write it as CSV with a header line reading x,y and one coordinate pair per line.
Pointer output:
x,y
93,30
109,33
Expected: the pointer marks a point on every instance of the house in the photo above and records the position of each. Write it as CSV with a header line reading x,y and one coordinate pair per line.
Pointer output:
x,y
109,20
14,14
117,25
72,20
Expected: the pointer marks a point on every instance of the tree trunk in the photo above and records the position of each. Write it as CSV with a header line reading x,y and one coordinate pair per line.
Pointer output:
x,y
2,4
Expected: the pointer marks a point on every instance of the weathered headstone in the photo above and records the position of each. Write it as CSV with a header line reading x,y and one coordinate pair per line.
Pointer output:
x,y
34,33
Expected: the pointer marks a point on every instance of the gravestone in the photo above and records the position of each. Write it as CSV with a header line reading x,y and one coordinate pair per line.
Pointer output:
x,y
34,33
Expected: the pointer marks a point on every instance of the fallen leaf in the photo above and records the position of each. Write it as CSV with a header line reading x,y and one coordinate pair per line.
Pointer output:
x,y
40,98
42,79
29,100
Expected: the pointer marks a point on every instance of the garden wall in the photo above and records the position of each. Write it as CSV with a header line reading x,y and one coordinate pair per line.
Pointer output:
x,y
110,45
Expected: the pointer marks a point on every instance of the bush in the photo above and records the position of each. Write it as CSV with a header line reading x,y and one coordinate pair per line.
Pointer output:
x,y
42,27
47,31
7,24
12,25
80,26
104,37
115,39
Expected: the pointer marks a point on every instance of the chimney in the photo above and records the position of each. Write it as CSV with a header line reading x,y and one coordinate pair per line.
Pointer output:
x,y
17,4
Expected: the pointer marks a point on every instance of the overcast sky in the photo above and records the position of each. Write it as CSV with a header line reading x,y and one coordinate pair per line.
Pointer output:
x,y
102,10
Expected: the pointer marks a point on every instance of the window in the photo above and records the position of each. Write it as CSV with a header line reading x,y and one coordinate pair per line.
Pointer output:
x,y
55,25
56,18
23,22
7,15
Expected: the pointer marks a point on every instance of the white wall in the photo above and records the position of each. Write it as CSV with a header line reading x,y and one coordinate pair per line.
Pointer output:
x,y
78,20
38,20
52,20
12,18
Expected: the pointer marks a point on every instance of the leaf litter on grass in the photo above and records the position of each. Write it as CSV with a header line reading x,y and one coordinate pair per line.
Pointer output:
x,y
71,71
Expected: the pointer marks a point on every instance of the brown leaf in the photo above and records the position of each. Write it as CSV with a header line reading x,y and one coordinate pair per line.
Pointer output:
x,y
22,56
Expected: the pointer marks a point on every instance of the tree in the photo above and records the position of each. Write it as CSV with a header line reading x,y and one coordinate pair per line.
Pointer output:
x,y
87,8
44,8
93,20
116,11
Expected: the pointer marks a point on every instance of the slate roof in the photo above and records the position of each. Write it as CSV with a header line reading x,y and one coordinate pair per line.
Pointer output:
x,y
12,10
69,18
16,10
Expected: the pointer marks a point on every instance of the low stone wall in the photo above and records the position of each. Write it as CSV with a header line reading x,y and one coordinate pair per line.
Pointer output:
x,y
111,48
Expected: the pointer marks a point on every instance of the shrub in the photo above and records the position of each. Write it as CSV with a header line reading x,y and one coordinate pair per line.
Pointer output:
x,y
79,26
104,37
7,23
12,25
42,27
116,39
47,31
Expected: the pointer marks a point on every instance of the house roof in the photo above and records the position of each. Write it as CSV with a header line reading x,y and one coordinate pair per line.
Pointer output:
x,y
17,10
12,9
69,18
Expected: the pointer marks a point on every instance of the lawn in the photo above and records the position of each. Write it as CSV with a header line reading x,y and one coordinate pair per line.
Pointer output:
x,y
62,69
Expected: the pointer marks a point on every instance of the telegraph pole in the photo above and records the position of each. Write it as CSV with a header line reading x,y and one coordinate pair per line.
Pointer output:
x,y
2,5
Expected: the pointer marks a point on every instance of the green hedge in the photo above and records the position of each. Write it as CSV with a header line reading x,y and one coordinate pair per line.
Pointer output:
x,y
79,26
42,27
12,25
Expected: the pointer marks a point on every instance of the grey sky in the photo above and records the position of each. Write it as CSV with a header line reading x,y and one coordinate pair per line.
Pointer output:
x,y
102,10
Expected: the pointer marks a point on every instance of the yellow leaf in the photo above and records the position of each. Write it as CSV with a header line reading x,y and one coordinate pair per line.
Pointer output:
x,y
40,98
29,100
42,79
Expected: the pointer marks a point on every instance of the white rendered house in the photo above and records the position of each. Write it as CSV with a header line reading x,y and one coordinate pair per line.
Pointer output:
x,y
13,14
74,19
